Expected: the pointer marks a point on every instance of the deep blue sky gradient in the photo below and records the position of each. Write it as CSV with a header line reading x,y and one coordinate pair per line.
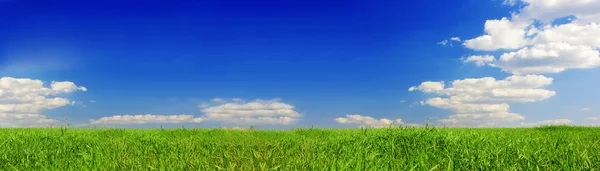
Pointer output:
x,y
328,58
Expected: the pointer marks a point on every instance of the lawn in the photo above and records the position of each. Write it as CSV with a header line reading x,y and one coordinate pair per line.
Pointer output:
x,y
542,148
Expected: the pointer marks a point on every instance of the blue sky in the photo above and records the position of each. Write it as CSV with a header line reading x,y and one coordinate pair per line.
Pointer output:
x,y
327,59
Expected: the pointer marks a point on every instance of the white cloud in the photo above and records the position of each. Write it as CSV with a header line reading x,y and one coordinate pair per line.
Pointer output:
x,y
257,112
549,58
254,112
543,48
148,118
66,87
22,100
367,121
428,87
18,120
235,128
449,42
500,34
585,109
443,43
480,60
519,31
584,34
480,119
513,89
239,112
485,101
536,45
92,101
595,118
282,120
549,10
547,122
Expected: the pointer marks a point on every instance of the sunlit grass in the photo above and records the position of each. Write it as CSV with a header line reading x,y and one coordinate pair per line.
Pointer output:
x,y
543,148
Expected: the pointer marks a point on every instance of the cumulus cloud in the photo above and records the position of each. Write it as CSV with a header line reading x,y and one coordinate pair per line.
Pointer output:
x,y
549,58
23,99
235,111
18,120
547,11
584,34
485,101
543,58
65,87
428,87
148,118
547,122
367,121
283,120
500,34
480,60
480,119
546,44
257,112
532,42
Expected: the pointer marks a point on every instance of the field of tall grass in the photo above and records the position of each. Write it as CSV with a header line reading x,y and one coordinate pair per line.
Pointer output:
x,y
541,148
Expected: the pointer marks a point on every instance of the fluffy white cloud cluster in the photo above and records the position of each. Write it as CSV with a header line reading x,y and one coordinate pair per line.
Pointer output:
x,y
367,121
480,60
254,112
536,44
485,101
548,10
148,118
25,120
546,47
501,34
549,58
235,111
22,100
429,87
575,33
543,58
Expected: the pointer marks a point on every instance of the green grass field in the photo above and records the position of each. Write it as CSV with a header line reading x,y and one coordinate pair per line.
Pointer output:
x,y
542,148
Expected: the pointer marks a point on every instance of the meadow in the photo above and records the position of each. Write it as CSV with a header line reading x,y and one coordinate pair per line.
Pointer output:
x,y
540,148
